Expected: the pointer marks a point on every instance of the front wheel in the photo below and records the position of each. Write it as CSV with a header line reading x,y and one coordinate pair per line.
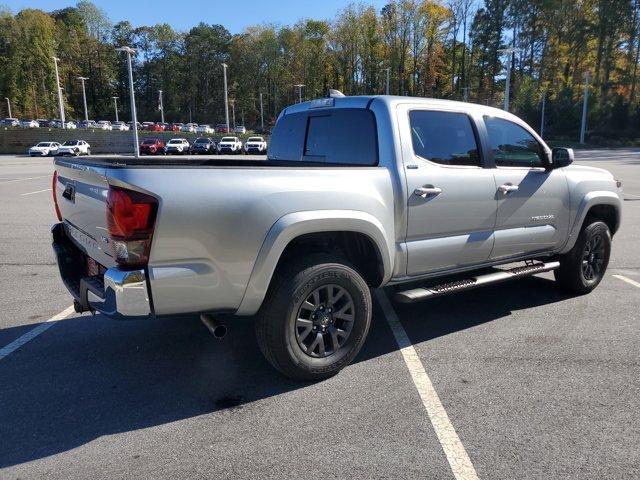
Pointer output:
x,y
315,318
582,268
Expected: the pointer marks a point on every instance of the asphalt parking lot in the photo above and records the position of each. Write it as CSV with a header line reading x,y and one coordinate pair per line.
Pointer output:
x,y
536,384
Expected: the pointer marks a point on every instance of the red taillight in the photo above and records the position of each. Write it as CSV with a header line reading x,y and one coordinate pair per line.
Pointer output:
x,y
131,218
54,188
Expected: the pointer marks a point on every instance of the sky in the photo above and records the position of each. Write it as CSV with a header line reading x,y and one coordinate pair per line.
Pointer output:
x,y
184,14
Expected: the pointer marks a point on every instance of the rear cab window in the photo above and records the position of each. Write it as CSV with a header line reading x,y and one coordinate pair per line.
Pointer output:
x,y
336,136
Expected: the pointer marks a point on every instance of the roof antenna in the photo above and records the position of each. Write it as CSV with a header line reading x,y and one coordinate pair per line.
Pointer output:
x,y
333,93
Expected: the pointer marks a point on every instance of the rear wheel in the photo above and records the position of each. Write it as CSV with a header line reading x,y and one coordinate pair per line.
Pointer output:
x,y
315,318
583,267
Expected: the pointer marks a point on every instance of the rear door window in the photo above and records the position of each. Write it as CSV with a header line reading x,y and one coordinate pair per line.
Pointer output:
x,y
342,136
446,138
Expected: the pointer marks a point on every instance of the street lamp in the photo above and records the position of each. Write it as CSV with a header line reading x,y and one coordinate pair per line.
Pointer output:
x,y
84,100
8,106
261,114
134,119
115,106
161,107
509,51
226,96
299,87
585,101
60,104
388,85
233,111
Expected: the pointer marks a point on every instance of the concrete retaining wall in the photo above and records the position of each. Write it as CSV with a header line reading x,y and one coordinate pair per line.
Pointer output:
x,y
19,140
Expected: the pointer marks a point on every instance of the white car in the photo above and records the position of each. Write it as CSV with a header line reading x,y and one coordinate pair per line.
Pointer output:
x,y
230,145
29,124
179,146
189,127
255,145
240,129
120,126
71,125
44,149
104,125
74,147
204,129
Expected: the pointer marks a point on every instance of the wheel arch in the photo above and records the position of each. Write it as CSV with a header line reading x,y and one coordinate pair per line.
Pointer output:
x,y
602,205
332,228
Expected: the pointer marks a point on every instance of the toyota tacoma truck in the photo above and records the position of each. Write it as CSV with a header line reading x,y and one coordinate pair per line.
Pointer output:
x,y
428,197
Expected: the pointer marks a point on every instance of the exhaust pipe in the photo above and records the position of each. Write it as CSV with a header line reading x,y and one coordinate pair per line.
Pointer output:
x,y
217,329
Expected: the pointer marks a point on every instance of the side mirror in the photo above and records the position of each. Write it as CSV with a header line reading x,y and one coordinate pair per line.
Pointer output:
x,y
561,157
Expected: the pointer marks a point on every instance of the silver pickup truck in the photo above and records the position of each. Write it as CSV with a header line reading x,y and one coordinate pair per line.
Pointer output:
x,y
356,193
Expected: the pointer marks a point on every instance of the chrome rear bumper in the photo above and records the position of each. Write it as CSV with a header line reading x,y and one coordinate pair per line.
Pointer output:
x,y
121,294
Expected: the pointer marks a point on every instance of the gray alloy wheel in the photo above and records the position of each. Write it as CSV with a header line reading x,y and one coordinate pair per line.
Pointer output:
x,y
324,320
593,257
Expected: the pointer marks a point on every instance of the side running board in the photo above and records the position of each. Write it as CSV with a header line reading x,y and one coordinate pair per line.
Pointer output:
x,y
423,293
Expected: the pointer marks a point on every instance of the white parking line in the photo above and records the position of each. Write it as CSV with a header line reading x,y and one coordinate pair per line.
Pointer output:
x,y
37,191
24,179
455,452
628,280
33,333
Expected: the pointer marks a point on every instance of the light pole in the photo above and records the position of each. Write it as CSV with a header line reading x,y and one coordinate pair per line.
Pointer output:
x,y
161,107
388,84
299,87
134,120
226,96
465,96
84,100
233,111
60,104
261,114
115,106
544,102
507,87
8,106
583,126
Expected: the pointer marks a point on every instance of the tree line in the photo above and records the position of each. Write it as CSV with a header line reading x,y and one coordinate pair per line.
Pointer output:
x,y
452,49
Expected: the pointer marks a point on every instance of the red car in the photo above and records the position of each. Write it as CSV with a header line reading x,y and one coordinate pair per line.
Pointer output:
x,y
175,127
222,128
152,146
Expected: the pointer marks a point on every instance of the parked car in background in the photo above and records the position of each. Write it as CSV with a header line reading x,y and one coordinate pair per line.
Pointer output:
x,y
152,146
240,130
177,146
71,125
44,123
44,149
120,126
204,129
26,123
87,124
130,125
156,127
189,128
230,145
255,145
147,125
104,125
175,127
164,125
10,122
222,128
203,145
74,147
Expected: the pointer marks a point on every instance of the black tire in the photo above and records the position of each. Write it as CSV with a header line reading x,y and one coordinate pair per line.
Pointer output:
x,y
576,276
277,324
88,151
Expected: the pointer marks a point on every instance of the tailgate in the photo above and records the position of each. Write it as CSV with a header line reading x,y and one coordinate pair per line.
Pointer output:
x,y
81,193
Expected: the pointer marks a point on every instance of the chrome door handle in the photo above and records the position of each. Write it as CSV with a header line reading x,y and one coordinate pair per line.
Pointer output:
x,y
424,191
504,189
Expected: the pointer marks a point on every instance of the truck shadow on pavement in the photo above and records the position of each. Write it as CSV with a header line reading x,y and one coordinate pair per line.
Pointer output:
x,y
87,377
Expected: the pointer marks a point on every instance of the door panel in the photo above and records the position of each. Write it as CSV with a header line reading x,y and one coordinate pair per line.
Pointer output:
x,y
533,218
451,198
